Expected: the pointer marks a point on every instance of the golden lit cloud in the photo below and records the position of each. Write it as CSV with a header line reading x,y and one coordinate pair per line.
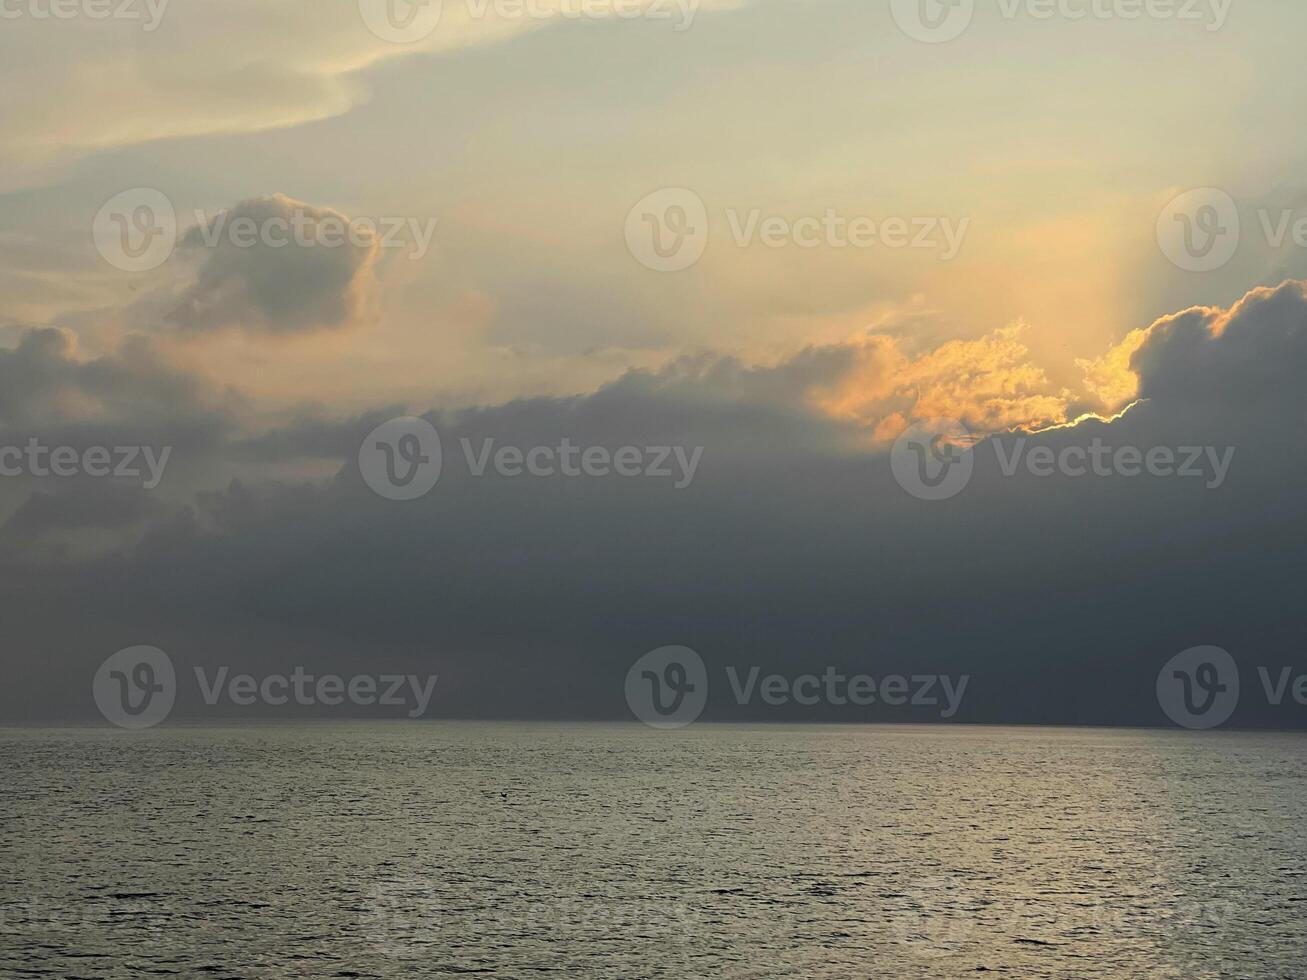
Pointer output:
x,y
989,383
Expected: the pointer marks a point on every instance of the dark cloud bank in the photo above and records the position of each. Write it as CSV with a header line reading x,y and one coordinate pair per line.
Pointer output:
x,y
793,549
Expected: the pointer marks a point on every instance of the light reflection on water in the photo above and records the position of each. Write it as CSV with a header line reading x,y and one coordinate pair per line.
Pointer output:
x,y
435,849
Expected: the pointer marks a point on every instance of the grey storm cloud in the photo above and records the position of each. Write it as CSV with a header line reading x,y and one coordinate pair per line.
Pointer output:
x,y
48,389
139,415
43,382
743,408
1256,351
55,525
793,549
274,265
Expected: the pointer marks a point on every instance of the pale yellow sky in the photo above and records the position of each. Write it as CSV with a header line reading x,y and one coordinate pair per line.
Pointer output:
x,y
1046,148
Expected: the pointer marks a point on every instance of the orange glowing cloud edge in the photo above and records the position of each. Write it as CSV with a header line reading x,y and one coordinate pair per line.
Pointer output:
x,y
989,383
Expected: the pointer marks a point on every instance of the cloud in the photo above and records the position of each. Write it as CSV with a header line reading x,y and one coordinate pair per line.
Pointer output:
x,y
872,383
1111,379
54,397
46,384
274,265
794,547
989,383
844,396
79,520
1256,351
240,66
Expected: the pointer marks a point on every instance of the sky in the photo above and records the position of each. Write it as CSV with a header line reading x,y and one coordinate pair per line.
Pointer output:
x,y
778,239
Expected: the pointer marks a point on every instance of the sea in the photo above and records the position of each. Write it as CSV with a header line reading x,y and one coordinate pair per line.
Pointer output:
x,y
519,850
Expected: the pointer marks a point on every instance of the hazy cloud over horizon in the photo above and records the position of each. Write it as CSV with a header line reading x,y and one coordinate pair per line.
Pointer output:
x,y
792,546
512,341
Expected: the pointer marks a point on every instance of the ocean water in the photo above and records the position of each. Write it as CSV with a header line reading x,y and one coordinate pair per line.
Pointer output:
x,y
616,851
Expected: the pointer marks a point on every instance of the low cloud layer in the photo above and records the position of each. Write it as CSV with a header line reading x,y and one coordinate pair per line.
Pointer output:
x,y
1060,593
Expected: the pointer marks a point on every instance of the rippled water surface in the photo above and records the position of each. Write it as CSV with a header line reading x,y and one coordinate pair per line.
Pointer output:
x,y
434,850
